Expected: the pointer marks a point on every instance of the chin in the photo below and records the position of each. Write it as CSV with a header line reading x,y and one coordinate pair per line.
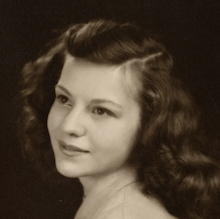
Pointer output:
x,y
66,170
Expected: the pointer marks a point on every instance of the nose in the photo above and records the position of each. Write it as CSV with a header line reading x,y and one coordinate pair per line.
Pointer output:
x,y
74,123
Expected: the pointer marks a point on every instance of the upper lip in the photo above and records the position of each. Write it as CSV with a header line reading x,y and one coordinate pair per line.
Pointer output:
x,y
72,147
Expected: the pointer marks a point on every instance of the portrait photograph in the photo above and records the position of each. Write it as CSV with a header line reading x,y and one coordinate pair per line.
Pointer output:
x,y
110,109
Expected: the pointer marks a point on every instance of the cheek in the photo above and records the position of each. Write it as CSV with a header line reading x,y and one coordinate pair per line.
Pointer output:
x,y
114,151
118,141
52,120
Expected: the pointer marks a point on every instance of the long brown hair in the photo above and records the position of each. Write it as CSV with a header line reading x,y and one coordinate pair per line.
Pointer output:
x,y
171,163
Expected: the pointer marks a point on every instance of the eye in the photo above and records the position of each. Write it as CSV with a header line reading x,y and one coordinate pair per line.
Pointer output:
x,y
102,111
62,99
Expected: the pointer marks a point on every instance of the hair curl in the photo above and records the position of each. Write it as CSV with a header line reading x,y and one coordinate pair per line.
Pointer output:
x,y
170,157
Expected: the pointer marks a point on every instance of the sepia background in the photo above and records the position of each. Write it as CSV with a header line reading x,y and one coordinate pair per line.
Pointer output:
x,y
189,28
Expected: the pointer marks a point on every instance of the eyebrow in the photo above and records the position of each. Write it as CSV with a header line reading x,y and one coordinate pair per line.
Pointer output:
x,y
107,101
63,89
93,101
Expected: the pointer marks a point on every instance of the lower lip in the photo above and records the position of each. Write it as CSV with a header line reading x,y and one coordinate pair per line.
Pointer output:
x,y
69,152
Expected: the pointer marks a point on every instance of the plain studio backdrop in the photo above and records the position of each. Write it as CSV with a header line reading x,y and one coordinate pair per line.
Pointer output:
x,y
191,31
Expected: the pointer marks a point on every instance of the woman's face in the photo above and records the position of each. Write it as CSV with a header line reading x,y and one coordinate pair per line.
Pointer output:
x,y
94,120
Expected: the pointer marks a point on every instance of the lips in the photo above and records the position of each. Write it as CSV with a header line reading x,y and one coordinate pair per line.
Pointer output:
x,y
70,149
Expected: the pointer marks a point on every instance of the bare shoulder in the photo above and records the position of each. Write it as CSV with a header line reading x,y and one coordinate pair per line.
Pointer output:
x,y
139,206
131,203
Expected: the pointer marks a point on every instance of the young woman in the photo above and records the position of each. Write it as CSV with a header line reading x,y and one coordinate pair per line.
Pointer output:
x,y
105,99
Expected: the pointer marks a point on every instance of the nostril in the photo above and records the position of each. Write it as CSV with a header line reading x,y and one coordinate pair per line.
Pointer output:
x,y
73,134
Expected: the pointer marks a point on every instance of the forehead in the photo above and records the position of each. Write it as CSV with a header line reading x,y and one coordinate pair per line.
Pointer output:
x,y
124,75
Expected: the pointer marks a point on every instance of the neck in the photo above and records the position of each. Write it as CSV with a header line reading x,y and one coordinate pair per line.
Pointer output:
x,y
115,179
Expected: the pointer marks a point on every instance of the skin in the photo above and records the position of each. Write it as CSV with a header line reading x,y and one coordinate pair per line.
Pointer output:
x,y
93,121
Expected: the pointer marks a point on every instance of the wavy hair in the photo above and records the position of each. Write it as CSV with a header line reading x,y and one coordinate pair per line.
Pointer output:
x,y
170,156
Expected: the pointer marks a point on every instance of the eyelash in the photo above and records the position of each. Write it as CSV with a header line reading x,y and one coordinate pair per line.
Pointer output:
x,y
104,111
62,99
